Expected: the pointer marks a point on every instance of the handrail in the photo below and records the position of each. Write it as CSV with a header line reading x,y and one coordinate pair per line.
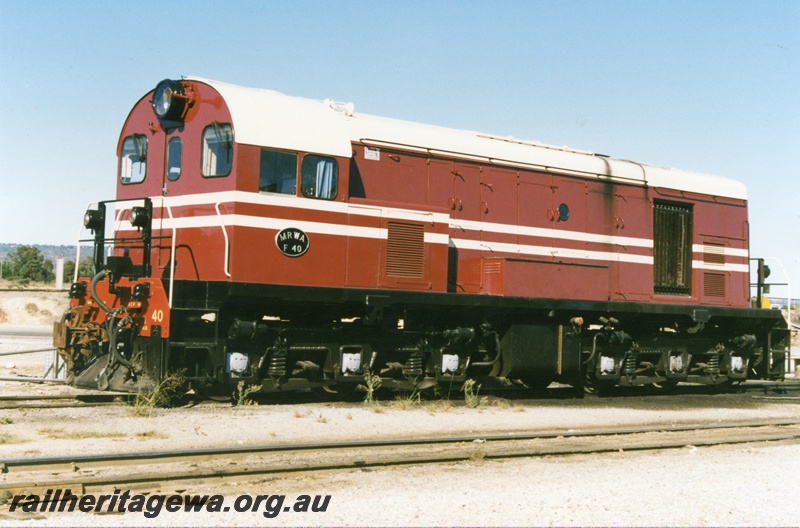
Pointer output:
x,y
227,241
172,248
171,251
117,224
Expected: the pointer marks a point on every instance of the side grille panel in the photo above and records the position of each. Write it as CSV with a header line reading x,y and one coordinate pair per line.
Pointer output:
x,y
405,250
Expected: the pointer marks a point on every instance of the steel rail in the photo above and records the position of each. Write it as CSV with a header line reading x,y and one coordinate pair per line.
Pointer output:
x,y
57,405
178,479
62,401
179,454
381,455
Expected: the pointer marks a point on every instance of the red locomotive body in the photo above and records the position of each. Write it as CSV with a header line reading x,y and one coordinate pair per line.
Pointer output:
x,y
294,243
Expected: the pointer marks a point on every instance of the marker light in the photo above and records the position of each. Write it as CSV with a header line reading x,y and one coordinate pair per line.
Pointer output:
x,y
169,100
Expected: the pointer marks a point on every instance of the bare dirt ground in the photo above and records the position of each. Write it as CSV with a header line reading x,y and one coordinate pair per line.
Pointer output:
x,y
747,485
31,308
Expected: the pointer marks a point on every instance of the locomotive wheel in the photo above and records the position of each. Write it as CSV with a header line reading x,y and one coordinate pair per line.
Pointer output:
x,y
597,387
663,387
211,393
537,384
338,392
727,386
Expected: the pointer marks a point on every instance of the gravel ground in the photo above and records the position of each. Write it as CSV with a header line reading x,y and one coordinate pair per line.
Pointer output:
x,y
751,485
747,485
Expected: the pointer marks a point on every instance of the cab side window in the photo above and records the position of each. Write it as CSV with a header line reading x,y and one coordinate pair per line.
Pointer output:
x,y
320,177
217,150
278,172
133,159
174,159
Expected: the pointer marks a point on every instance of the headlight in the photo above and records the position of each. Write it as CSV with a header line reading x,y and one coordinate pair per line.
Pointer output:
x,y
92,219
238,364
139,217
169,100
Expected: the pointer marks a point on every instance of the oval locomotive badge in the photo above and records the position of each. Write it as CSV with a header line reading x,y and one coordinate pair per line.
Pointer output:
x,y
292,242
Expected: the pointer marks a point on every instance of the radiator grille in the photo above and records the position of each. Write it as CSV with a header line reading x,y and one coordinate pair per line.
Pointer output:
x,y
714,284
672,248
405,250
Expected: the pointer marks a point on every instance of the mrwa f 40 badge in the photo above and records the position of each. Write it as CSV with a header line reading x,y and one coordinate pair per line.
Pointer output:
x,y
292,242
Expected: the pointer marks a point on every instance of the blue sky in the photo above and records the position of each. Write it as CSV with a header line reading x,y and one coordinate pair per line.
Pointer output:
x,y
710,86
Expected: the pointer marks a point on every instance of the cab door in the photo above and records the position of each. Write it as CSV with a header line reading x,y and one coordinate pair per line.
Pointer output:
x,y
172,148
466,207
632,228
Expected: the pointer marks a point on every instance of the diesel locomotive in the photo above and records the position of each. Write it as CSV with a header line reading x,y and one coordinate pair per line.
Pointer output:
x,y
288,243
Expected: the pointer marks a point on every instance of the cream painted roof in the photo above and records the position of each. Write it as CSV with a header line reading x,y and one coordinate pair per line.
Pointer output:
x,y
271,119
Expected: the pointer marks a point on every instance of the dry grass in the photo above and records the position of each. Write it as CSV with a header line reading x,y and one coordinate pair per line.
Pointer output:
x,y
147,435
164,394
406,401
62,434
8,438
504,405
477,454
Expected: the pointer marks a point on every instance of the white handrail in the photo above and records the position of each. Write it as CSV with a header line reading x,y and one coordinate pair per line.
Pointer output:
x,y
227,241
171,250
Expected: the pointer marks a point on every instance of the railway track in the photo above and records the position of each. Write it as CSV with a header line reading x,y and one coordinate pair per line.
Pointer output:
x,y
186,469
59,401
759,390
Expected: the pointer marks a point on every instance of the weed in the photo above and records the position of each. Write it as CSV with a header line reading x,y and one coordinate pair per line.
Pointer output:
x,y
6,421
321,419
164,394
241,396
471,397
372,383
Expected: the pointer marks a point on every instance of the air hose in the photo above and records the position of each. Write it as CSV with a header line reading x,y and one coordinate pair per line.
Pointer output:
x,y
111,315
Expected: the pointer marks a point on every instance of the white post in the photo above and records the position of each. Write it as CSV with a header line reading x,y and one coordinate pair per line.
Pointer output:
x,y
60,273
